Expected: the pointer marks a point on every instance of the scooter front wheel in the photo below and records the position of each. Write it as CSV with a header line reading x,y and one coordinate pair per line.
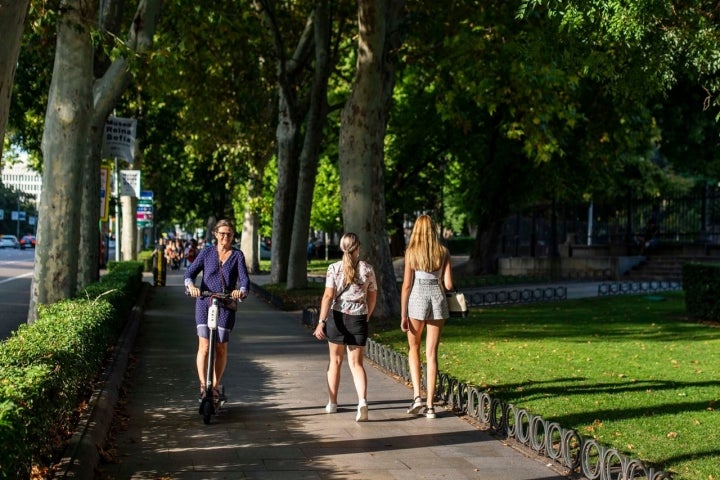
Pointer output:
x,y
206,410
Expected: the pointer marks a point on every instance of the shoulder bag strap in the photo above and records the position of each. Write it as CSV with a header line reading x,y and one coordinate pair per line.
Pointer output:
x,y
341,292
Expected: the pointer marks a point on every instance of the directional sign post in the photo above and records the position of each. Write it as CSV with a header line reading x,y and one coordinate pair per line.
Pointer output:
x,y
145,209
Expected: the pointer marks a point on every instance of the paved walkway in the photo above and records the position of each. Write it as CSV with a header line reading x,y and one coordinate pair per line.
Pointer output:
x,y
274,425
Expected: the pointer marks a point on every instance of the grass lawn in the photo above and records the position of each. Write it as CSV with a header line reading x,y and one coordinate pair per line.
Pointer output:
x,y
630,371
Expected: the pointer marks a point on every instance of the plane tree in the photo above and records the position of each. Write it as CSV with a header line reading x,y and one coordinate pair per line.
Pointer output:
x,y
12,23
79,100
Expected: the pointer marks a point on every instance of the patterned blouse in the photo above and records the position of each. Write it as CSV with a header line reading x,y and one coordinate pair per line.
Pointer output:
x,y
352,301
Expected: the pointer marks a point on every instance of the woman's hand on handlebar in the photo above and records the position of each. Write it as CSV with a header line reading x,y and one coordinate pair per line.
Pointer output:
x,y
193,291
238,294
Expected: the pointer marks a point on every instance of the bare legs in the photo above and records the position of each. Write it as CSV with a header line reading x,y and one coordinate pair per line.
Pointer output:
x,y
355,360
220,360
432,340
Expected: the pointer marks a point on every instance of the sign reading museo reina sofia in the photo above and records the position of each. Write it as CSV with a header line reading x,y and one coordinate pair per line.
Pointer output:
x,y
129,183
119,138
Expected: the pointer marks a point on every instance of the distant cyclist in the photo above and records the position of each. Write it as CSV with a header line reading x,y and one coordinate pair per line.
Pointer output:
x,y
224,270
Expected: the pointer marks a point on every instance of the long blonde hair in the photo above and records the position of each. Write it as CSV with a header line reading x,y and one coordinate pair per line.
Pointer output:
x,y
349,244
424,251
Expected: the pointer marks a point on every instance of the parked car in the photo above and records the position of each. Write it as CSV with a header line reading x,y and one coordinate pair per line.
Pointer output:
x,y
9,241
28,241
264,252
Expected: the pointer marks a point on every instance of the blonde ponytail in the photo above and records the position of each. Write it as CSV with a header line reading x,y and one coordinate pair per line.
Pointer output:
x,y
349,244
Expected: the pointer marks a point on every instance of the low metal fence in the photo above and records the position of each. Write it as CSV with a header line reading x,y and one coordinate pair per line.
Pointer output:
x,y
635,288
565,447
515,296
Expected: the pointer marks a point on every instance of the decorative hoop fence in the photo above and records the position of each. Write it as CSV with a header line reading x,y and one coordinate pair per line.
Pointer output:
x,y
515,296
566,448
635,288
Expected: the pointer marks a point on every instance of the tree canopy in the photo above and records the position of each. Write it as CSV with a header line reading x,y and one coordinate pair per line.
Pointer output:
x,y
496,106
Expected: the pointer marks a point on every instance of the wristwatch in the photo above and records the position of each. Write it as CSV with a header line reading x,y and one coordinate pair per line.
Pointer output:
x,y
322,321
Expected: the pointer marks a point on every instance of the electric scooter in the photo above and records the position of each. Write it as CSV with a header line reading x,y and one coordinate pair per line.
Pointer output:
x,y
209,405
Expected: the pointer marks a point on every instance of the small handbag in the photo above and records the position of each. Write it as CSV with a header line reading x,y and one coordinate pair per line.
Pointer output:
x,y
230,304
456,304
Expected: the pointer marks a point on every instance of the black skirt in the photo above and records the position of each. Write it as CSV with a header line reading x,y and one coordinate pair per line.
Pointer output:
x,y
344,329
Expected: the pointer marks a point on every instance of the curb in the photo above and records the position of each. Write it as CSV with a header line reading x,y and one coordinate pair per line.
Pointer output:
x,y
81,455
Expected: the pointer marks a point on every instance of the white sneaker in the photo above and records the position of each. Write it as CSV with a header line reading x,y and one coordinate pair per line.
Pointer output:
x,y
331,408
362,412
416,406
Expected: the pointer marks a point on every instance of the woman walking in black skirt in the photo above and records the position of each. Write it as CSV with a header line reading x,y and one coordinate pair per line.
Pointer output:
x,y
350,293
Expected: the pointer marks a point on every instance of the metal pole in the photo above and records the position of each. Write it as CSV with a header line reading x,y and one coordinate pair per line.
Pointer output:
x,y
18,216
117,212
590,224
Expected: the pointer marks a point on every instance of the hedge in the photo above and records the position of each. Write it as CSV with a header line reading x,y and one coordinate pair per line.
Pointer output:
x,y
47,366
701,284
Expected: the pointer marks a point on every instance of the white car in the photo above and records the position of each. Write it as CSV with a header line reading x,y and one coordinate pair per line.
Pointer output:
x,y
9,241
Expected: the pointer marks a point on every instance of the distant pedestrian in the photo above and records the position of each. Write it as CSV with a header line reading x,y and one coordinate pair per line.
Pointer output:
x,y
423,305
311,249
190,252
351,293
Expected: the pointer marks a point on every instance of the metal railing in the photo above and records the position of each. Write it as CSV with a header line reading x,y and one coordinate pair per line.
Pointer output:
x,y
565,447
635,288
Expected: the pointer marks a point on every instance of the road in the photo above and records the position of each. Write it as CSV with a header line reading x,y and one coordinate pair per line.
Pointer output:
x,y
16,269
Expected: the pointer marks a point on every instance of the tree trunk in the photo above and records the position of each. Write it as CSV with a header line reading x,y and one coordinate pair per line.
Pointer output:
x,y
89,258
64,148
128,245
290,113
397,239
315,120
12,21
251,222
249,240
362,134
483,258
285,192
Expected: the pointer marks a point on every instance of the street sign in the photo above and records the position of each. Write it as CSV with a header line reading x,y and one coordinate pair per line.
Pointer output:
x,y
129,183
104,193
144,213
119,138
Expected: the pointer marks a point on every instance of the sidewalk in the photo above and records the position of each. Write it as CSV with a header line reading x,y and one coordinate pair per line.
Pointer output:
x,y
274,425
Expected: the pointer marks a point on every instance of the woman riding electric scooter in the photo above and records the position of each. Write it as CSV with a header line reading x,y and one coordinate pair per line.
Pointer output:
x,y
224,270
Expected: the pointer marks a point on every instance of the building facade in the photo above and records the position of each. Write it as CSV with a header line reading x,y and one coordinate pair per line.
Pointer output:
x,y
23,178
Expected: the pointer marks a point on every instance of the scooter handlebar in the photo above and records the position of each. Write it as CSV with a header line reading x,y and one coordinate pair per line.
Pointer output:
x,y
207,293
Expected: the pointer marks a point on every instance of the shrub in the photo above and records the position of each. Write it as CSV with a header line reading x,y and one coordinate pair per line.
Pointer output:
x,y
701,283
45,367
